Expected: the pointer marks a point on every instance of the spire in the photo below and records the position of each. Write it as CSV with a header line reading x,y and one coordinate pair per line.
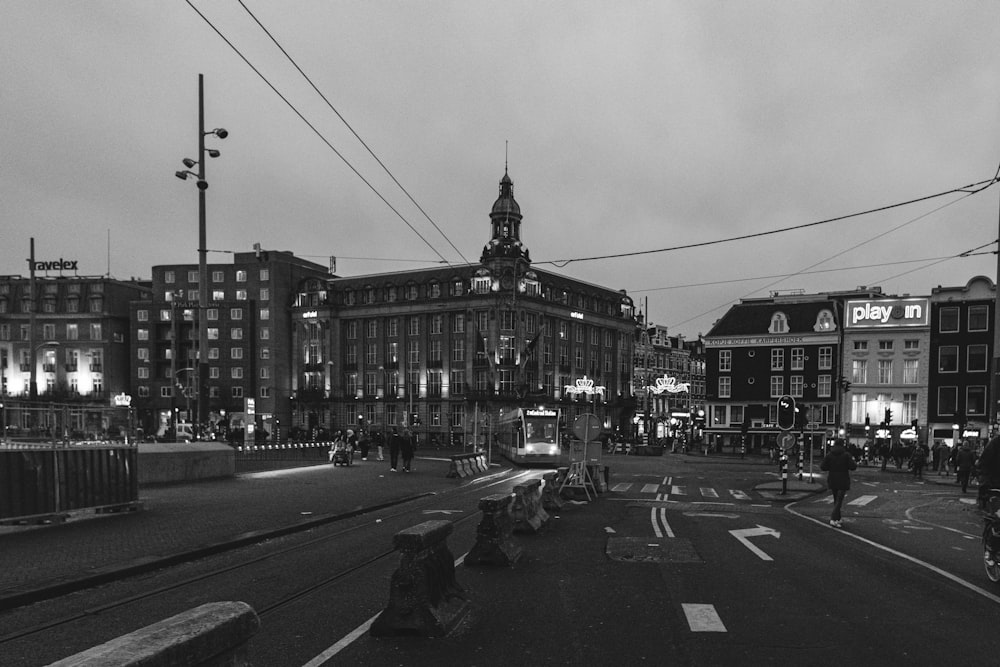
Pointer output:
x,y
505,223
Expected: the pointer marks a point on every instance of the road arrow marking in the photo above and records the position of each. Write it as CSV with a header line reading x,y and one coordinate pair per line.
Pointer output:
x,y
743,535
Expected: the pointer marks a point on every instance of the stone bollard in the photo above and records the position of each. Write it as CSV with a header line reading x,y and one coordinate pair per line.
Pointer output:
x,y
551,500
212,634
527,510
424,598
494,545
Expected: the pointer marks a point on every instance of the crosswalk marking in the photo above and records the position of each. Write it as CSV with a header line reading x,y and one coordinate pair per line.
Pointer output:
x,y
677,491
650,488
709,492
862,500
703,618
739,495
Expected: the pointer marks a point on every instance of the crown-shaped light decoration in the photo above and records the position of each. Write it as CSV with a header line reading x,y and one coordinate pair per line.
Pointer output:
x,y
584,386
669,384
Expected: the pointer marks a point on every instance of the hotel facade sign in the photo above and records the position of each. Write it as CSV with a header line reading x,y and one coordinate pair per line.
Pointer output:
x,y
884,313
774,340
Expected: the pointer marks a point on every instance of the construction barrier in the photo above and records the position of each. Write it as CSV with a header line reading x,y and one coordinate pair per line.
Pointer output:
x,y
551,500
494,544
424,597
464,465
212,634
527,511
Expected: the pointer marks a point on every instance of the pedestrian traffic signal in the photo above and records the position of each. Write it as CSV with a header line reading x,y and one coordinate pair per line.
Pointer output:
x,y
786,413
888,415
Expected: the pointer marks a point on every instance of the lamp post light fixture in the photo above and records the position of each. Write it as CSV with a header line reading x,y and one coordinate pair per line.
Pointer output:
x,y
202,355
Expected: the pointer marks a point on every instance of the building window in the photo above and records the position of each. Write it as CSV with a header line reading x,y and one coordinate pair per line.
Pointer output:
x,y
352,330
859,371
949,320
979,318
825,358
434,351
265,314
241,295
142,353
976,359
777,359
948,359
458,323
777,386
885,371
861,346
975,401
912,344
236,353
725,360
435,290
437,323
218,277
725,387
241,276
434,383
236,313
142,315
237,392
859,406
909,408
796,384
265,274
456,386
824,386
885,345
213,333
213,372
911,371
265,293
236,333
166,391
236,373
798,359
779,323
947,400
413,326
169,277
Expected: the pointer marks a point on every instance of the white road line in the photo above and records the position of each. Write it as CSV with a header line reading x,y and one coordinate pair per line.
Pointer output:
x,y
916,561
678,490
862,500
709,492
658,517
703,618
825,499
621,487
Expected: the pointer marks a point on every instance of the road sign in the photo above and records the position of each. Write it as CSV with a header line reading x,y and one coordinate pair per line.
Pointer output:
x,y
786,440
587,427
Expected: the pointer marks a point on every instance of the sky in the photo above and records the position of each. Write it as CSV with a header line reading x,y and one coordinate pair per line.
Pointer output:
x,y
629,129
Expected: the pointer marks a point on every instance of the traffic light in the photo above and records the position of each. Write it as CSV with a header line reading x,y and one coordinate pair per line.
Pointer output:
x,y
786,413
888,416
414,419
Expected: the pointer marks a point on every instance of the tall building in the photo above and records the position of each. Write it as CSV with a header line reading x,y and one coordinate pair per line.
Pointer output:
x,y
65,340
961,354
249,355
886,343
669,376
766,348
451,348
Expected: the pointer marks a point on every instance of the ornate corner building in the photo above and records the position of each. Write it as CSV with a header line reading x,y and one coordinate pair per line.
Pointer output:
x,y
448,349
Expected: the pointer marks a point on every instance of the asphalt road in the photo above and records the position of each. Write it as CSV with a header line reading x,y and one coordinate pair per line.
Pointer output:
x,y
685,561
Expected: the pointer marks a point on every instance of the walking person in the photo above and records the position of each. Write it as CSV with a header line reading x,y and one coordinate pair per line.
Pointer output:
x,y
989,469
364,443
394,444
965,461
918,460
379,444
838,464
406,447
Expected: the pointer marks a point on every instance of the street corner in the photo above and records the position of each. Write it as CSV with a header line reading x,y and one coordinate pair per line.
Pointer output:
x,y
792,489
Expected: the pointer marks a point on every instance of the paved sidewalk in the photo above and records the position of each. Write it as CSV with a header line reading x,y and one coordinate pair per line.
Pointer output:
x,y
182,521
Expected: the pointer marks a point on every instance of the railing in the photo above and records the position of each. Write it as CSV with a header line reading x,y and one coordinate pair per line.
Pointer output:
x,y
39,482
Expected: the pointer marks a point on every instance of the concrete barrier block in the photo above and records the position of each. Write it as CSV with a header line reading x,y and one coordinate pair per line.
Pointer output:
x,y
494,544
212,634
425,598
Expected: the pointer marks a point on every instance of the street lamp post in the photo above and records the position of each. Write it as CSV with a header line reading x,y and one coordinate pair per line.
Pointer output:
x,y
202,356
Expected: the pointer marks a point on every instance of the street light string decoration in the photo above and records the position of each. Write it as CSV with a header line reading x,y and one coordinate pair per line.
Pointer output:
x,y
668,385
584,385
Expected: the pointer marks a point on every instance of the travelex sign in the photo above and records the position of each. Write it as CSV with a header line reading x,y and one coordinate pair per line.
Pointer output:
x,y
58,265
887,313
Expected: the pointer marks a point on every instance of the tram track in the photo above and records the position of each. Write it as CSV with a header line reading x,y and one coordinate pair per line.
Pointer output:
x,y
419,504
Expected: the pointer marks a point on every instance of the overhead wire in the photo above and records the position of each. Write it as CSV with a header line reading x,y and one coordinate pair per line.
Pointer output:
x,y
979,187
315,130
349,127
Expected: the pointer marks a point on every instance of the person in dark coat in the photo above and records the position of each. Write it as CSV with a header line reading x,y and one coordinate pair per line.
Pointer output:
x,y
838,464
965,461
394,444
406,447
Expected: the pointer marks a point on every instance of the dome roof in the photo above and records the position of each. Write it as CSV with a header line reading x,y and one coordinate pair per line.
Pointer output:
x,y
505,203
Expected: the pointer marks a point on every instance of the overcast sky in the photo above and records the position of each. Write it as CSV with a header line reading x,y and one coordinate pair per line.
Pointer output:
x,y
632,126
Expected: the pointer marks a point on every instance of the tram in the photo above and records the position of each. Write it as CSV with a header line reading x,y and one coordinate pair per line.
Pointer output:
x,y
529,435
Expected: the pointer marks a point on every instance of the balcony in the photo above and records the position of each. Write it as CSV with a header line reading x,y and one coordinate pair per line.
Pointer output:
x,y
25,368
71,368
49,368
96,367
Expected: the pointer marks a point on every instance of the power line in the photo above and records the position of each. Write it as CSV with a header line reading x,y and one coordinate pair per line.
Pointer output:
x,y
970,253
316,131
979,187
356,135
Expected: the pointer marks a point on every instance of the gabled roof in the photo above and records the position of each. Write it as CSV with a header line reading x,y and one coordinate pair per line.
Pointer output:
x,y
755,318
